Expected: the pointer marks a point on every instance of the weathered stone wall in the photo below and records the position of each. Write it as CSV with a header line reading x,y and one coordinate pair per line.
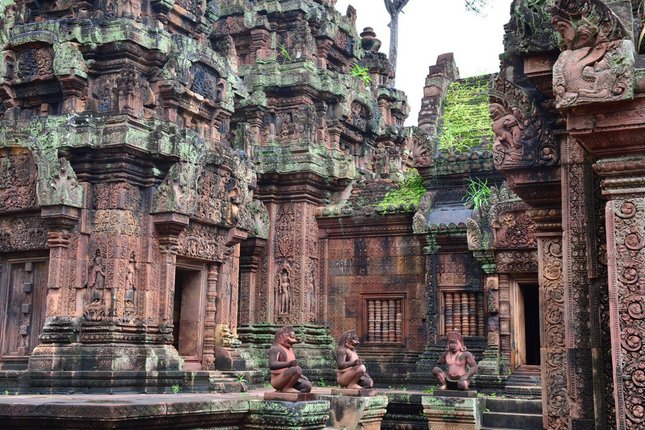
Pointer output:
x,y
375,283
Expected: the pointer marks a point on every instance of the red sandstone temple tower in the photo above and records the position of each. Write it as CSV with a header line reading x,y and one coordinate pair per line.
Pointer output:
x,y
123,203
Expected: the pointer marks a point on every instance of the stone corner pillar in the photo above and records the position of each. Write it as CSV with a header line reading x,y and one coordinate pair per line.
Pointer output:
x,y
277,415
59,325
451,413
361,413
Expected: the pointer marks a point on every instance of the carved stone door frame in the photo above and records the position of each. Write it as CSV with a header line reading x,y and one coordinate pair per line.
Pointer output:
x,y
192,312
28,298
517,311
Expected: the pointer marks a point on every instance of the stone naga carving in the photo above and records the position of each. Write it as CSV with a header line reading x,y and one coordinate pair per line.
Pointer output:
x,y
351,372
286,375
597,59
57,184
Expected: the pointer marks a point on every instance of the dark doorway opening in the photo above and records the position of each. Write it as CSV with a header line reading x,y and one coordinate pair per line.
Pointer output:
x,y
531,296
187,315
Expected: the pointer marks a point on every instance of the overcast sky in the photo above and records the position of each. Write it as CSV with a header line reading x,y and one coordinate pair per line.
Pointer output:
x,y
428,28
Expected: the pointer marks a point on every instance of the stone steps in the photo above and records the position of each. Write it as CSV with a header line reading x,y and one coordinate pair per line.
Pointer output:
x,y
512,414
525,381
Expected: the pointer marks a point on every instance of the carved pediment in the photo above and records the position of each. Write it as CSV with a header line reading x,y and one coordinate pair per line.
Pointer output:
x,y
523,131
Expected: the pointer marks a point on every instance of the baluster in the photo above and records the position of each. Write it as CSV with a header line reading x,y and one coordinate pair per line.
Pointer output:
x,y
392,317
378,329
447,312
371,320
472,309
399,321
480,315
456,312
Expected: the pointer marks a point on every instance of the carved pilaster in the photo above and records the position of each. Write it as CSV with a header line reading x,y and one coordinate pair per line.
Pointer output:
x,y
555,395
625,217
61,220
208,357
169,226
250,258
575,182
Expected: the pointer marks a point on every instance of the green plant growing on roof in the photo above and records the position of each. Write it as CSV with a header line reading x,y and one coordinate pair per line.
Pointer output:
x,y
361,73
284,54
478,193
175,389
466,120
408,195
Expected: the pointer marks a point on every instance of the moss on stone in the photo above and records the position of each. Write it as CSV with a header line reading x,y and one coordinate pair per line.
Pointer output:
x,y
407,196
466,122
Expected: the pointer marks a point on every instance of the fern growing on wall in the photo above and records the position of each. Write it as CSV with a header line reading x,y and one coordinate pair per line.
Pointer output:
x,y
466,122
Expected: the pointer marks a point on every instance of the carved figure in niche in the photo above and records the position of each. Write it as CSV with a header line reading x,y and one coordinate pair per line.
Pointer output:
x,y
96,278
234,206
351,372
268,128
283,293
286,375
379,160
321,128
508,131
129,281
309,123
312,293
457,359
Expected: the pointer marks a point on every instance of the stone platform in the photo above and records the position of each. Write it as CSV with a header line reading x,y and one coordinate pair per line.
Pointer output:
x,y
141,411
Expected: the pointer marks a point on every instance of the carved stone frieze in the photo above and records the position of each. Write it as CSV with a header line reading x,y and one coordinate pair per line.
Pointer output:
x,y
35,63
17,180
597,59
57,182
576,174
514,229
116,221
22,234
201,241
116,195
516,261
523,130
421,149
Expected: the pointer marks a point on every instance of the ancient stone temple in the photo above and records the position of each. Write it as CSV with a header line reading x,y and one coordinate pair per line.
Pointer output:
x,y
181,178
131,204
568,116
138,237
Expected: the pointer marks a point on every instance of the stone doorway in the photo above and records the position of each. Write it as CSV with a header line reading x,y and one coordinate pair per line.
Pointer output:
x,y
188,315
525,305
23,293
